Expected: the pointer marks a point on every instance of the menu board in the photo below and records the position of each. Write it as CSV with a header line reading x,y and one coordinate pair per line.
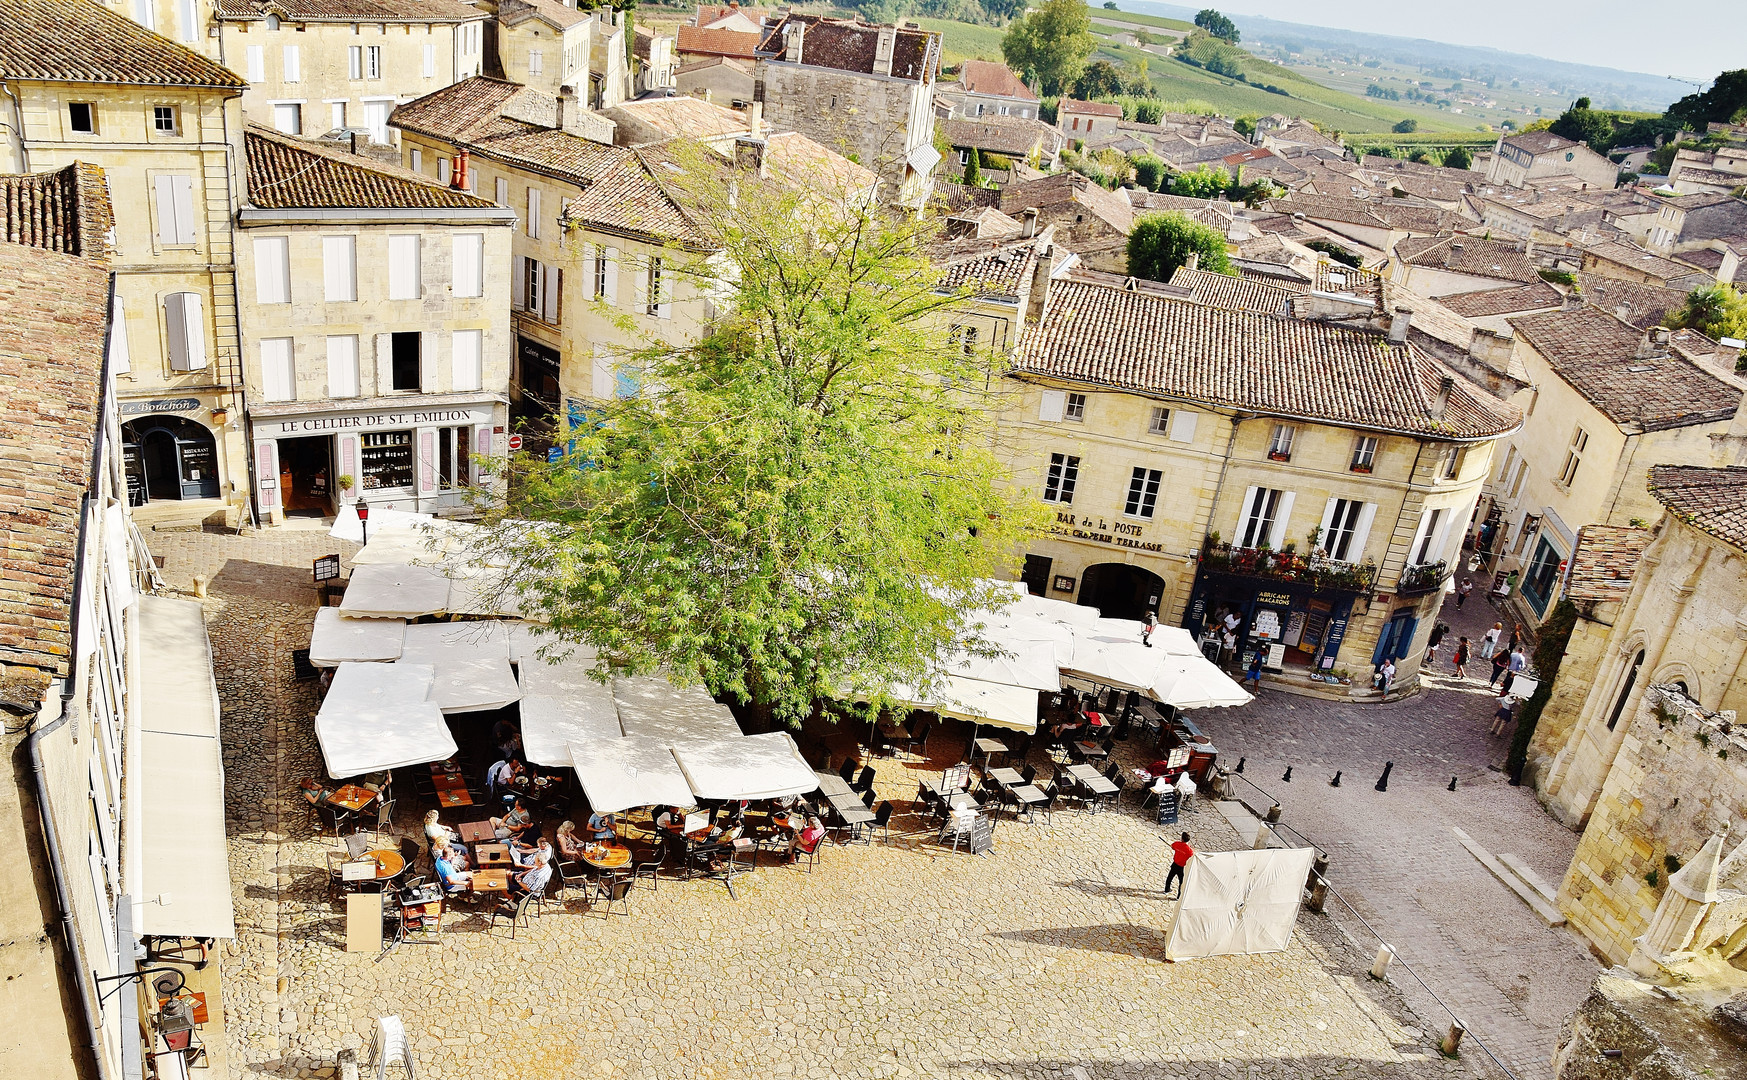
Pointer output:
x,y
199,462
983,834
1169,802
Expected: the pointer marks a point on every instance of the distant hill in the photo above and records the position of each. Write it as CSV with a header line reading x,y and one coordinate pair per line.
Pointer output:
x,y
1618,89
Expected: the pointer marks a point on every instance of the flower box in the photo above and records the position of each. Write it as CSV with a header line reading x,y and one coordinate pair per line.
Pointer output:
x,y
1279,455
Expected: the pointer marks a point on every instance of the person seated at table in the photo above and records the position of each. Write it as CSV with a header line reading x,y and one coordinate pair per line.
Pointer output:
x,y
436,832
506,737
516,822
525,854
497,778
534,878
806,839
602,827
672,819
569,844
736,813
453,878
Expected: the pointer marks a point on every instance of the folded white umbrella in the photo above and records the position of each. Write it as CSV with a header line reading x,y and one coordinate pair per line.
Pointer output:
x,y
1055,610
335,639
562,704
748,767
380,716
395,592
474,685
617,774
483,591
654,706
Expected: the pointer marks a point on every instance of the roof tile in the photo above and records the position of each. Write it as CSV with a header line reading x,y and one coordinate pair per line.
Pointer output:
x,y
1713,500
85,42
287,173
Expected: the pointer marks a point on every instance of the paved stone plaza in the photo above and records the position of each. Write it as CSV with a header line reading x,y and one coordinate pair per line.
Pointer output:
x,y
1042,959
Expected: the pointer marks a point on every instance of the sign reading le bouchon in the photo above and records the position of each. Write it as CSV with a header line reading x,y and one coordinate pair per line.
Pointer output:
x,y
1121,534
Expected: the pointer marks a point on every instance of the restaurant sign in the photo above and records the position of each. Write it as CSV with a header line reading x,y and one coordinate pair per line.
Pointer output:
x,y
1124,534
159,405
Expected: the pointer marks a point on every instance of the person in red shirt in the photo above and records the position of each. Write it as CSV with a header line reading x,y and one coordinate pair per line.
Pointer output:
x,y
1180,855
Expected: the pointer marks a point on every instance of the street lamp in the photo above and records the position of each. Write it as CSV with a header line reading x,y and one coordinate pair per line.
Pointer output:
x,y
364,519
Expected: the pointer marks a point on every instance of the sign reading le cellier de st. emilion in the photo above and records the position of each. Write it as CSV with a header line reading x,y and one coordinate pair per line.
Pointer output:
x,y
1121,534
410,418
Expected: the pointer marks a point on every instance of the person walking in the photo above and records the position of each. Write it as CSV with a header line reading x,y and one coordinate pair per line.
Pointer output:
x,y
1515,664
1489,641
1181,853
1502,717
1516,637
1462,592
1253,676
1499,663
1434,640
1461,658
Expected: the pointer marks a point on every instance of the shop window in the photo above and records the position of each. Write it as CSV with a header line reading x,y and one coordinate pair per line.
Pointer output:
x,y
454,457
1542,576
1160,423
385,459
1364,453
1075,408
1064,473
1143,493
405,361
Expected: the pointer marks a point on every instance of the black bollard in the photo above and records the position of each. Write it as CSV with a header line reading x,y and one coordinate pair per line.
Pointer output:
x,y
1288,777
1240,765
1452,783
1336,782
1383,781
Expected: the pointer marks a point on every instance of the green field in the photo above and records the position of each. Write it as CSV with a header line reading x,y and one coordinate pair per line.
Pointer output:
x,y
1144,20
965,41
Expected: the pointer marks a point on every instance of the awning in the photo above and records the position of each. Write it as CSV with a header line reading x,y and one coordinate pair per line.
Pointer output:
x,y
380,716
750,767
1126,663
1055,610
395,592
617,774
1031,664
651,705
335,639
980,702
382,520
483,592
183,852
477,685
562,704
1195,682
443,643
410,539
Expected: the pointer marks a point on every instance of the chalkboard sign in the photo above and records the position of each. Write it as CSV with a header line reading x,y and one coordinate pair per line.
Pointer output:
x,y
983,834
1168,803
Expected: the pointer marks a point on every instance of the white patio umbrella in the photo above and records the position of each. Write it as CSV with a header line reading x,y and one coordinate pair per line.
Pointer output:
x,y
335,639
1194,682
395,592
617,774
979,702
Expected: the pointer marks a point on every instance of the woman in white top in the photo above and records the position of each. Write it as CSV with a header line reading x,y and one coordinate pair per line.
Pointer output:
x,y
436,832
1489,641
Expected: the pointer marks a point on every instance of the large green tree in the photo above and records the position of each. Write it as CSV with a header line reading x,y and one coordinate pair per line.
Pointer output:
x,y
1099,79
1717,311
800,503
1160,243
1218,25
1049,44
1724,101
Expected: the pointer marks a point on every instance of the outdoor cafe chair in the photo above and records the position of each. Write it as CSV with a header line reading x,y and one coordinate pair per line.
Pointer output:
x,y
928,798
337,884
573,877
917,741
516,911
1029,774
883,820
811,854
848,769
615,888
864,782
867,797
651,868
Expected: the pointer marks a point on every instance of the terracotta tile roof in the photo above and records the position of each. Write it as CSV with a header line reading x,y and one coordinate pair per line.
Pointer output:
x,y
1015,136
699,41
1064,188
681,117
1712,500
1235,293
1377,213
851,45
551,12
714,61
1538,142
802,162
1708,176
988,77
1641,261
53,311
85,42
1089,108
470,110
285,173
378,11
1599,356
1531,297
990,268
1139,341
709,13
1641,305
1604,560
1475,256
67,210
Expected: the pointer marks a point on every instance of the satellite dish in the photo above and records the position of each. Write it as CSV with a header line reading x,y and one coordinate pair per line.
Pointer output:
x,y
168,983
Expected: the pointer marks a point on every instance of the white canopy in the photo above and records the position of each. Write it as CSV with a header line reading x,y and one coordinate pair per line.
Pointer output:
x,y
380,716
1239,902
1031,664
445,643
617,774
1055,610
335,639
749,767
978,701
651,705
348,527
1195,682
412,539
483,592
562,704
393,591
1125,662
476,685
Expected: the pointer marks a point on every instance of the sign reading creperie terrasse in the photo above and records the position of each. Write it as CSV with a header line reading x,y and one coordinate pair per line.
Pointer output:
x,y
1121,534
410,418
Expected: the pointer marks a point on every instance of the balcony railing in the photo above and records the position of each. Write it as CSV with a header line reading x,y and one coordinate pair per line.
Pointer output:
x,y
1315,570
1422,578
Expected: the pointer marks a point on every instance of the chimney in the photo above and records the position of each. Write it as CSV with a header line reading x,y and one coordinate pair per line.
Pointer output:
x,y
883,50
458,174
749,155
1039,288
703,93
1653,344
1399,324
1492,349
1441,400
1028,222
755,120
570,110
792,35
1193,262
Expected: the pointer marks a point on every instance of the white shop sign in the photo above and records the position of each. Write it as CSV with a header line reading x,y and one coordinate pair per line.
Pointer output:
x,y
320,424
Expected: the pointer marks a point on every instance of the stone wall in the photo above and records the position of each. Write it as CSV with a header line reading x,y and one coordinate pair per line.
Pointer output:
x,y
1584,654
1680,776
863,117
1629,1030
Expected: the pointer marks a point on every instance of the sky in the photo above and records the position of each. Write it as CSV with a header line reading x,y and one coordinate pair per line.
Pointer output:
x,y
1624,34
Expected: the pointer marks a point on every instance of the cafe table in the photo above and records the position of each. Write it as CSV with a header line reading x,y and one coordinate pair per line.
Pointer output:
x,y
449,781
454,797
1093,780
352,797
491,855
1006,777
607,856
472,832
491,881
989,748
389,864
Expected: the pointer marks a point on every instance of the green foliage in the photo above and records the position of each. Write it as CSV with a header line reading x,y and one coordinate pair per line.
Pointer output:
x,y
1555,634
1716,311
1404,126
973,173
1336,252
1724,102
1050,44
1245,125
1205,182
1458,157
1160,243
1149,172
1100,79
1213,53
1110,5
1383,92
1672,862
1149,112
799,504
1652,878
1557,277
1217,25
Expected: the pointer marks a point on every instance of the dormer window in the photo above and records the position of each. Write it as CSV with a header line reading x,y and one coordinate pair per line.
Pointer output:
x,y
272,22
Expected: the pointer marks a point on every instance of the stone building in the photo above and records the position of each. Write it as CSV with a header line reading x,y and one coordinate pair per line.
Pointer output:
x,y
159,120
865,91
1606,401
1533,155
1320,499
376,330
1086,120
316,68
986,88
1090,221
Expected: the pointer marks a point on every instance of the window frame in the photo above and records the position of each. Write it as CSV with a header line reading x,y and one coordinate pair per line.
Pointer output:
x,y
1364,459
1074,408
174,131
1061,477
90,108
1574,451
1159,423
1282,441
1143,493
1259,522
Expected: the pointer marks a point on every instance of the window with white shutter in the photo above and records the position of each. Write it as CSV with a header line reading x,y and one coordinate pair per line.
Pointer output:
x,y
1160,422
1183,426
403,268
293,64
610,275
355,61
443,171
1261,515
272,270
373,61
173,199
502,194
288,117
339,257
343,365
187,21
278,377
417,157
185,331
145,12
255,60
466,356
533,222
1053,405
119,361
533,285
536,62
430,61
1345,524
468,259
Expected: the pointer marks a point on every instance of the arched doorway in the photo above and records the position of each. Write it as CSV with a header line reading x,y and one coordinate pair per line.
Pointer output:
x,y
169,457
1121,590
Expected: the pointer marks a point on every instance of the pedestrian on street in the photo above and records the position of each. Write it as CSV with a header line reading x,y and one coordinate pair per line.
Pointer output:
x,y
1516,637
1514,665
1502,718
1254,674
1181,853
1489,641
1462,592
1461,658
1499,662
1436,639
1148,625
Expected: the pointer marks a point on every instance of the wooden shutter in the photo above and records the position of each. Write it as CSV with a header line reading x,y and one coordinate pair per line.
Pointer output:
x,y
1282,513
464,360
612,275
343,366
552,292
1362,530
185,331
119,361
519,284
339,268
293,64
272,274
403,268
1053,405
468,264
533,222
1183,425
278,377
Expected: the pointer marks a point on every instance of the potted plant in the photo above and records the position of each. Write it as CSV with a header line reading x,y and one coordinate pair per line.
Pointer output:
x,y
346,480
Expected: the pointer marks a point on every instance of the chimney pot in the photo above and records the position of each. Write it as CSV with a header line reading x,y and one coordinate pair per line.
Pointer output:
x,y
458,174
1441,400
1028,222
1194,260
749,154
1398,325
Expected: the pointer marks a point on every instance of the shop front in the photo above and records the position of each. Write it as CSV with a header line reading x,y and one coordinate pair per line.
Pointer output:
x,y
421,457
1124,568
169,451
1294,624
